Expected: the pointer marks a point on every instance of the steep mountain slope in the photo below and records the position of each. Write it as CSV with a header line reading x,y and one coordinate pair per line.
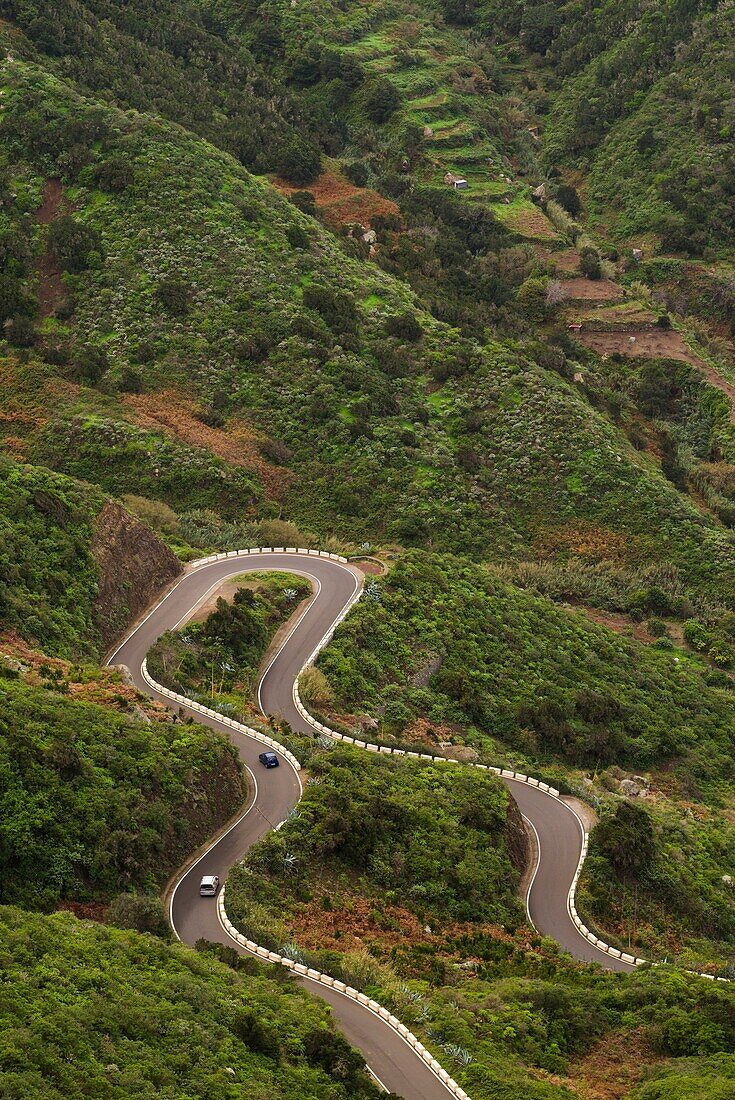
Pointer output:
x,y
642,100
197,279
88,1010
382,359
75,567
97,800
177,61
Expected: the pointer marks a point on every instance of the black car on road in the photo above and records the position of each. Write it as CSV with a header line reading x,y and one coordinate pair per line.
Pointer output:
x,y
268,759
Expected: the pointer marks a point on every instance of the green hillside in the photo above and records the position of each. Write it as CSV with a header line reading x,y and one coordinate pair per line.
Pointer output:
x,y
443,651
371,877
61,585
204,284
247,299
90,1011
96,801
641,99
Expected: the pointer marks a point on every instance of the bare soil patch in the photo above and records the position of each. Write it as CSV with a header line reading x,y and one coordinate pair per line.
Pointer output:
x,y
51,290
582,810
623,624
593,290
340,202
655,344
565,261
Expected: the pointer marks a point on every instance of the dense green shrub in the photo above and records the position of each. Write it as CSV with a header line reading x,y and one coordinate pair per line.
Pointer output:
x,y
129,1013
72,242
48,577
431,837
95,801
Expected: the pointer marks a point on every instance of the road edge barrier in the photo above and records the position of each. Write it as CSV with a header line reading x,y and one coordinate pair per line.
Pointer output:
x,y
504,773
255,949
300,970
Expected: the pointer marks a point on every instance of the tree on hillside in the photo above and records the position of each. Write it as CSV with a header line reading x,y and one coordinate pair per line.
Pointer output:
x,y
72,243
627,841
382,99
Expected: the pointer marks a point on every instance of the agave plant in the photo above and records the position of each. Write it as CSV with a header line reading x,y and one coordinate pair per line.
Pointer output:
x,y
291,951
460,1054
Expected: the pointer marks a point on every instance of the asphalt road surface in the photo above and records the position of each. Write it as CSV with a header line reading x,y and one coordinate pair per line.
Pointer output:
x,y
276,791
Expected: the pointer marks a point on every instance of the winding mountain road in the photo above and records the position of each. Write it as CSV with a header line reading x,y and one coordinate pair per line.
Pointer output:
x,y
558,829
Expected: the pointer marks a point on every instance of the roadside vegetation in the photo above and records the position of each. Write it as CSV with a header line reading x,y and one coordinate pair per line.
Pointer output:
x,y
129,1014
386,876
97,801
216,660
443,652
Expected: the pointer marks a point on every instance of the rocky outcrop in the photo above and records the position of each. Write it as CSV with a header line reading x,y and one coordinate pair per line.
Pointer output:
x,y
134,567
516,836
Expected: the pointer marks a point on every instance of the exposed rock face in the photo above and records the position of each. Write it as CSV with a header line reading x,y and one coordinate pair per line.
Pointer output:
x,y
516,837
134,566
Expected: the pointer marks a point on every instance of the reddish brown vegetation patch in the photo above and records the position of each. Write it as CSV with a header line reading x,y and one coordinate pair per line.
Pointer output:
x,y
340,202
90,910
51,291
105,689
169,412
357,922
585,540
23,410
614,1065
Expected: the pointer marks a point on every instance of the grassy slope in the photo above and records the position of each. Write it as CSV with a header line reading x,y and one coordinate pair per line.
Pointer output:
x,y
248,336
49,576
453,826
517,678
88,1010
